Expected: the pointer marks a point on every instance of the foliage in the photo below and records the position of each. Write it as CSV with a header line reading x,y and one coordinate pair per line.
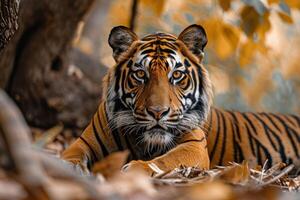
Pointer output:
x,y
252,44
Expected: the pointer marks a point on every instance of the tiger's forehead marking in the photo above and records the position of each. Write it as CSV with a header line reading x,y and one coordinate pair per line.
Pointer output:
x,y
159,36
159,50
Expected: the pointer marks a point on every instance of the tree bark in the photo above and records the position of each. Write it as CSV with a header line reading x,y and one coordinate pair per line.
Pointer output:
x,y
39,75
9,10
8,20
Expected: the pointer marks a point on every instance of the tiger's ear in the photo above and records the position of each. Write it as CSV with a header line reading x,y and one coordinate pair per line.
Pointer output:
x,y
120,39
194,37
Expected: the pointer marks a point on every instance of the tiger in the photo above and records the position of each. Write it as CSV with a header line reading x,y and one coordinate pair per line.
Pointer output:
x,y
157,103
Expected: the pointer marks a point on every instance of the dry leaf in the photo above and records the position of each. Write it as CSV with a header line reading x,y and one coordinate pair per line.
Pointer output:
x,y
236,174
156,6
293,3
111,165
247,51
225,4
223,37
285,17
209,191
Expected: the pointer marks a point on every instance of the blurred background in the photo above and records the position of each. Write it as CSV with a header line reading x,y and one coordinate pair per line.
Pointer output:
x,y
253,51
54,54
58,53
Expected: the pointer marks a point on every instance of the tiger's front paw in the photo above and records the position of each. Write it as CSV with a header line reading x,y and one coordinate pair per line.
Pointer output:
x,y
138,165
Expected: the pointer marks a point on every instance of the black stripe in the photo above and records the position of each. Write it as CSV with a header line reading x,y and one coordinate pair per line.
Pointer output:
x,y
102,147
237,153
117,139
297,118
94,155
267,131
259,146
210,123
281,146
258,154
250,122
224,139
193,140
170,45
170,51
288,119
132,152
149,38
115,134
187,63
146,45
250,140
272,122
147,51
178,65
235,122
289,132
212,153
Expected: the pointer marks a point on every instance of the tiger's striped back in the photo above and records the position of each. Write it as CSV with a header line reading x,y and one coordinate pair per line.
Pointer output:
x,y
255,137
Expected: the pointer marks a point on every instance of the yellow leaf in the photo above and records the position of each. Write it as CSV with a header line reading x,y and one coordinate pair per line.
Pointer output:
x,y
237,174
273,1
223,47
293,3
225,4
263,27
224,37
250,20
117,9
111,165
286,18
247,52
156,6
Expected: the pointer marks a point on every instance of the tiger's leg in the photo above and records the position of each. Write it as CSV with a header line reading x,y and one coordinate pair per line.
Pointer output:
x,y
191,151
84,151
80,152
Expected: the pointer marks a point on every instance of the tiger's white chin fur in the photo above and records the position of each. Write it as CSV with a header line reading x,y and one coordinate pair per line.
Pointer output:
x,y
157,137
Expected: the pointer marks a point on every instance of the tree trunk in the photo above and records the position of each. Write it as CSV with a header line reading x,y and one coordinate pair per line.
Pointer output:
x,y
8,20
39,75
8,25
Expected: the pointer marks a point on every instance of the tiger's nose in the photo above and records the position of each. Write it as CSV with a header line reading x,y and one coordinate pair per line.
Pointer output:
x,y
158,112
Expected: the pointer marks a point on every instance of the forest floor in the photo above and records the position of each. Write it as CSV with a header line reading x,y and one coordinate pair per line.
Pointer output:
x,y
236,181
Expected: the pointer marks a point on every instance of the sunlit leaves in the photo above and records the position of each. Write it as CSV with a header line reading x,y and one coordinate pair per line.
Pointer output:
x,y
223,37
257,5
285,17
156,6
225,4
247,51
250,20
293,3
285,13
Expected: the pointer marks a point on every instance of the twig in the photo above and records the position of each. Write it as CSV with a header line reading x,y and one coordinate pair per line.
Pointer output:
x,y
58,168
16,135
134,10
285,171
48,136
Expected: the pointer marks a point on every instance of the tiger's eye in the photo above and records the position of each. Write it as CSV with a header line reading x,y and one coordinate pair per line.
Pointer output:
x,y
177,74
140,73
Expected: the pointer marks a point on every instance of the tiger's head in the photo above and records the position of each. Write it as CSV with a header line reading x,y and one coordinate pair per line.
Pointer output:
x,y
158,89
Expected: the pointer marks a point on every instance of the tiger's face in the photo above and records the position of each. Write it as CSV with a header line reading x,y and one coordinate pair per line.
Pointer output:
x,y
158,89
